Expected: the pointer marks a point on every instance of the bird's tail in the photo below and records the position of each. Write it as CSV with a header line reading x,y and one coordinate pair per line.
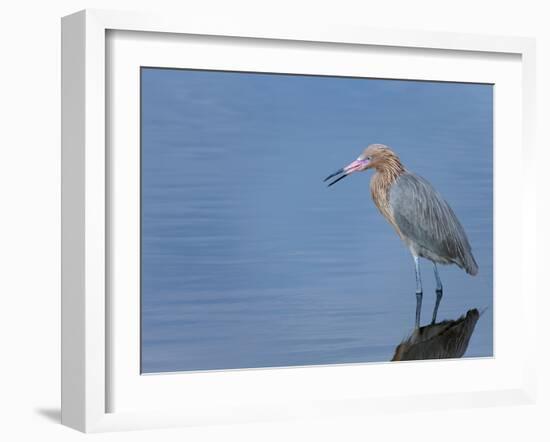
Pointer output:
x,y
470,264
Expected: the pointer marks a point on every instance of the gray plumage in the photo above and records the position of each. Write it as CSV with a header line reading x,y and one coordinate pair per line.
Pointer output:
x,y
428,224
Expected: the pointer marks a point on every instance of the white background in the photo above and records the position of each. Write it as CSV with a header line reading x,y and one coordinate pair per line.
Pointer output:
x,y
30,221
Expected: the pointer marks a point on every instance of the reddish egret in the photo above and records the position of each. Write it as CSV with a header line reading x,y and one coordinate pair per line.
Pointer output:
x,y
421,217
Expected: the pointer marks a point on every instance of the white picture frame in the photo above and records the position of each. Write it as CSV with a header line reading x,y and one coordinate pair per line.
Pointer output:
x,y
87,356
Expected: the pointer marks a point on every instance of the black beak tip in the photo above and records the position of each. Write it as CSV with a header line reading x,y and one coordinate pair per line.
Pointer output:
x,y
336,180
332,175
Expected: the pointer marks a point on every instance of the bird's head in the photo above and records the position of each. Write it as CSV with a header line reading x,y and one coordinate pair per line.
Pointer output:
x,y
376,156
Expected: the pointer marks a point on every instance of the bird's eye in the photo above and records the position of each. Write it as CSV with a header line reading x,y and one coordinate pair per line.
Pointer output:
x,y
368,158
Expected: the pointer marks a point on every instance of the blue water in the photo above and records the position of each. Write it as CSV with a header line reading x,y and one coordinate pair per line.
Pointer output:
x,y
248,260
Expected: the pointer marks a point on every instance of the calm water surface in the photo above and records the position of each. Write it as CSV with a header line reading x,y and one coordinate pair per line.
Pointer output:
x,y
248,260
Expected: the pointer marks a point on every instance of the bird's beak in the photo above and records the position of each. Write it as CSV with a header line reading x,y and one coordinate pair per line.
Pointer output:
x,y
345,171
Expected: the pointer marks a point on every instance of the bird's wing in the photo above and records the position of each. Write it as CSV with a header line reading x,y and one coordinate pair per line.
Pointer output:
x,y
425,218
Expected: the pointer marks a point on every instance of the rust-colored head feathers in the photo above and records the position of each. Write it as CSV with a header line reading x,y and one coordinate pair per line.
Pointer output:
x,y
383,159
377,156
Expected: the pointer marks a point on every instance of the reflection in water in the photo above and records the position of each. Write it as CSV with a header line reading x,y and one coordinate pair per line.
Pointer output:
x,y
248,261
443,340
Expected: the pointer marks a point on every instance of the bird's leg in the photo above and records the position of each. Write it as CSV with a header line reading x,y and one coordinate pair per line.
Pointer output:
x,y
438,292
418,291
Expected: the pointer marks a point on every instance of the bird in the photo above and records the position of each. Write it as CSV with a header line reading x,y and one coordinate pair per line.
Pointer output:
x,y
418,213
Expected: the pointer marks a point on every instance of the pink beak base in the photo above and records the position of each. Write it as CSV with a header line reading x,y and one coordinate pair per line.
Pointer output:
x,y
344,172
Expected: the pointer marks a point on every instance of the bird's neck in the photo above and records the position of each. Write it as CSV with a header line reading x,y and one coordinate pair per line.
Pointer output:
x,y
381,182
390,168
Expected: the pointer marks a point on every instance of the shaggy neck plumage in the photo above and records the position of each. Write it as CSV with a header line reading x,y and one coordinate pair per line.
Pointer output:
x,y
389,168
387,171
